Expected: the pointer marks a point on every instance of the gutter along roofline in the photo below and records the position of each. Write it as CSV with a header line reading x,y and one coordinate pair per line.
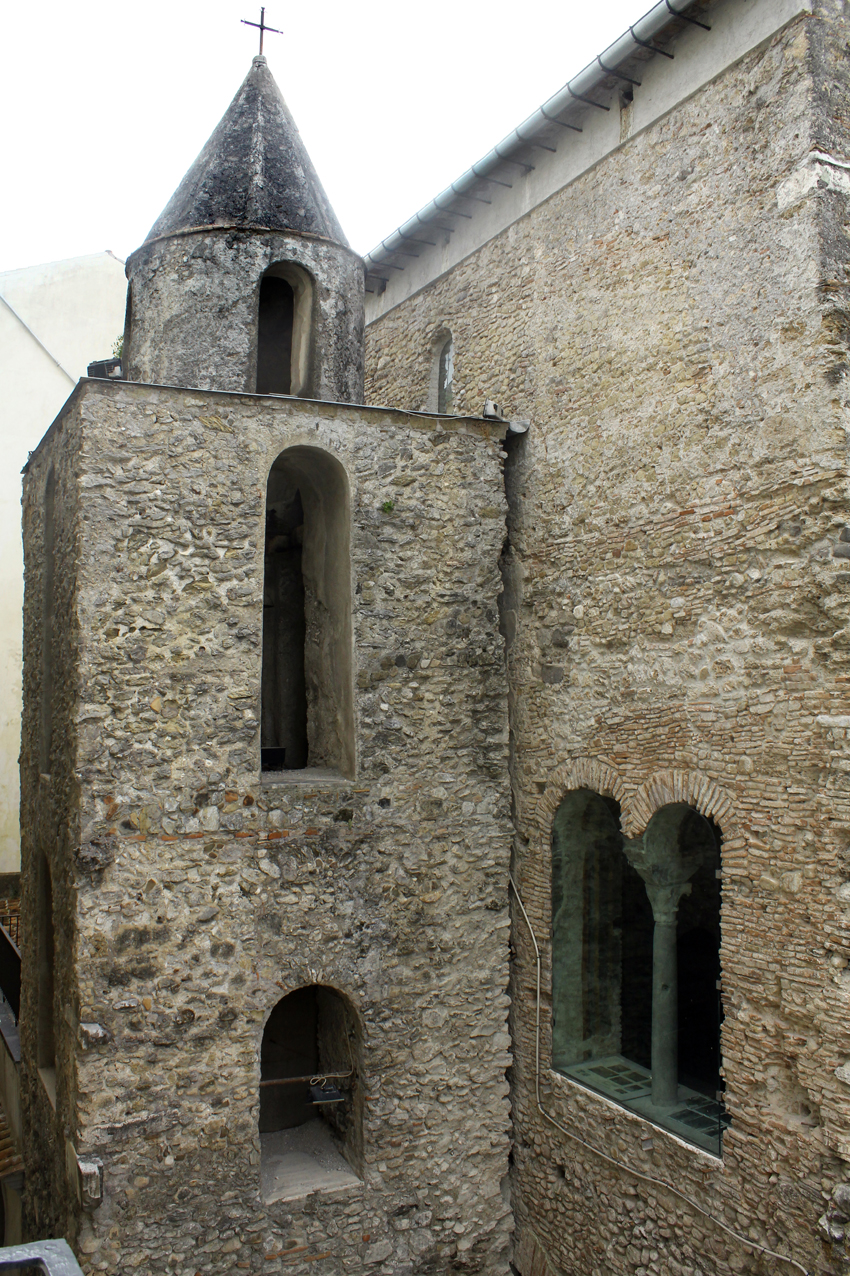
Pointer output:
x,y
637,41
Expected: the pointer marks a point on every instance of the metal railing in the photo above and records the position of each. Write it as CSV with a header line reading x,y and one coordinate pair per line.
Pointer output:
x,y
11,922
10,970
56,1258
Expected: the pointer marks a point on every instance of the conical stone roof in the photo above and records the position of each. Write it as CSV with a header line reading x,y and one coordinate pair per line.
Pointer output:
x,y
253,172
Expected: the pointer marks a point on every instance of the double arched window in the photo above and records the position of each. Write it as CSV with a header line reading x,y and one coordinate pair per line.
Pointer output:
x,y
636,962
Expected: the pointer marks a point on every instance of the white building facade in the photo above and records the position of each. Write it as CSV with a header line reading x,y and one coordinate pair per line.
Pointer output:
x,y
55,319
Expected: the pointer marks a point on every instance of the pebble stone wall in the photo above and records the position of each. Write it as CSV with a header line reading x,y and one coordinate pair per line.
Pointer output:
x,y
674,324
190,896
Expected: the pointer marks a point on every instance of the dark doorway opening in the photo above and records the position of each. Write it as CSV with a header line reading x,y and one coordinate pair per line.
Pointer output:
x,y
290,1050
274,336
698,958
307,718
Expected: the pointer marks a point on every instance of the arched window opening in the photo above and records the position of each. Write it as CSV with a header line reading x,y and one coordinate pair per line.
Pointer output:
x,y
636,962
48,604
45,1033
283,330
441,392
307,698
311,1102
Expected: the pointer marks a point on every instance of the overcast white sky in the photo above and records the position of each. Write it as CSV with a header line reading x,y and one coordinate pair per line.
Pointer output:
x,y
105,105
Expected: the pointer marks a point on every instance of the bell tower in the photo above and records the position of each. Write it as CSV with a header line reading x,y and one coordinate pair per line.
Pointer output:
x,y
246,281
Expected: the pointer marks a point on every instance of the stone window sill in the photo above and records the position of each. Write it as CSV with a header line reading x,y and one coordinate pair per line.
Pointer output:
x,y
563,1085
302,1160
308,776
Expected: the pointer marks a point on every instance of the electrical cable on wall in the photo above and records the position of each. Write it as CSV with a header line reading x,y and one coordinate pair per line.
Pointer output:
x,y
622,1165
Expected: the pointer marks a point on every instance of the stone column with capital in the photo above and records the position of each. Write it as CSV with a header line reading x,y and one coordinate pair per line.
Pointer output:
x,y
666,873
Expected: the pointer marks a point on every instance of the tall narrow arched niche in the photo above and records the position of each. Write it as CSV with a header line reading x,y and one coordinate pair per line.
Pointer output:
x,y
311,1100
284,330
307,696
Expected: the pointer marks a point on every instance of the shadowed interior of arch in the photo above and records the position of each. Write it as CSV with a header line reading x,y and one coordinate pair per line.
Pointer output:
x,y
310,1120
307,696
636,962
274,336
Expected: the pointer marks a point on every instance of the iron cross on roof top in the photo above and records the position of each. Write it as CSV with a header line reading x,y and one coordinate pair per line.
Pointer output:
x,y
261,26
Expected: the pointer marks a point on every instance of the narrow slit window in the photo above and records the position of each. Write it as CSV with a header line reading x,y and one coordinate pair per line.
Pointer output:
x,y
445,378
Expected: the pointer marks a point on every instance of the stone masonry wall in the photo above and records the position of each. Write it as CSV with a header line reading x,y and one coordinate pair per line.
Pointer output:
x,y
49,821
673,325
194,299
203,894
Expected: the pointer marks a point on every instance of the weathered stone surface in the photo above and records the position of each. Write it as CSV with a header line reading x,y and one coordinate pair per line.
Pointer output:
x,y
202,292
674,325
253,173
390,886
251,201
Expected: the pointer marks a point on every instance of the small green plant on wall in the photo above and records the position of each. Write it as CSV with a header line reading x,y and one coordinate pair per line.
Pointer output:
x,y
388,507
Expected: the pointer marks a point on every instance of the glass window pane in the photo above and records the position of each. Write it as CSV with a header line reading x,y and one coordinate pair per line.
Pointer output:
x,y
636,962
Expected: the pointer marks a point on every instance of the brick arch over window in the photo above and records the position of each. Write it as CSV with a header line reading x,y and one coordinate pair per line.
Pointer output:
x,y
575,774
578,773
690,787
630,940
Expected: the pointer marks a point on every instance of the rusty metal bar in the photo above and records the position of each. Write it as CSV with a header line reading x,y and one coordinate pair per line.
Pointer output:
x,y
309,1080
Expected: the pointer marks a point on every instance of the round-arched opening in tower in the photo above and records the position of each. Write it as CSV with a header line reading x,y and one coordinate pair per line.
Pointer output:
x,y
307,695
311,1096
284,330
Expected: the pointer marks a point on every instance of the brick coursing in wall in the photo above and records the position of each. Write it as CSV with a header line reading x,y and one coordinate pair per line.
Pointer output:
x,y
673,325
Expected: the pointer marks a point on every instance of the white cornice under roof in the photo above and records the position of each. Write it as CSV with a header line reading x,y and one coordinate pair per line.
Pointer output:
x,y
545,156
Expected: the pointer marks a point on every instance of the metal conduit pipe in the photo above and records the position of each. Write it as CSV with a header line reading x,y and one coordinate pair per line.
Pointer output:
x,y
612,1160
638,36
